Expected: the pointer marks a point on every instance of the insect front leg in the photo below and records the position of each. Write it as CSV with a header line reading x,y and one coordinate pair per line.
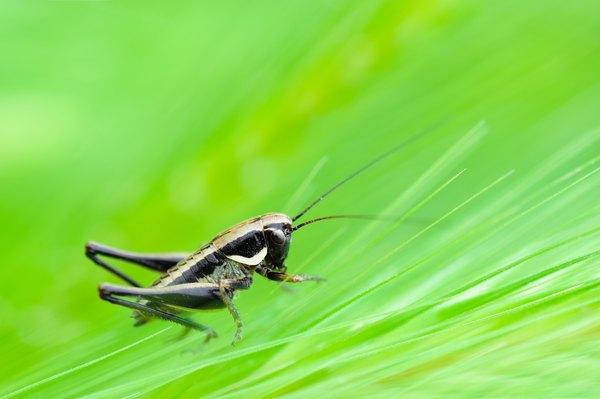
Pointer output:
x,y
288,278
185,295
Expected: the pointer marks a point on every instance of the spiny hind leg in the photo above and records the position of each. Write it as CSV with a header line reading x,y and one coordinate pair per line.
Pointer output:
x,y
112,294
157,262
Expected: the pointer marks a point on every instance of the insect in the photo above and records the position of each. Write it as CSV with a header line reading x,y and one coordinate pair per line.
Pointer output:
x,y
210,277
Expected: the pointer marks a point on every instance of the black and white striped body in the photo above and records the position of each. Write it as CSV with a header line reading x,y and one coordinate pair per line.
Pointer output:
x,y
233,254
209,278
244,244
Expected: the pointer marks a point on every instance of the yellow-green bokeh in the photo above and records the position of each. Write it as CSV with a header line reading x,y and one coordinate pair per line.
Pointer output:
x,y
153,125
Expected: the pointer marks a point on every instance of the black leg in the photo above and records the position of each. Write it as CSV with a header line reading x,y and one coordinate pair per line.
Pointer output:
x,y
189,296
108,292
157,262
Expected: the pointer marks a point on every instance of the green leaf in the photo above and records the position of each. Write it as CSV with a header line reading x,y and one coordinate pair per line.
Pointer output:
x,y
152,127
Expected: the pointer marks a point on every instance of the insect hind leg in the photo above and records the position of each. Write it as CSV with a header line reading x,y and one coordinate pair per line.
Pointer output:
x,y
111,293
155,262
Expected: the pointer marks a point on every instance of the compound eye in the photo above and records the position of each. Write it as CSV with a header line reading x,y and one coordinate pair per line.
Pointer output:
x,y
277,236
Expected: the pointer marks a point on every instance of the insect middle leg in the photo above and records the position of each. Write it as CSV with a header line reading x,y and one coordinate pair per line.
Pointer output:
x,y
157,262
185,295
227,289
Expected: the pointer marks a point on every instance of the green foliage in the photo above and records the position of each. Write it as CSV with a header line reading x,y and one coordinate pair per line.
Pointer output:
x,y
152,127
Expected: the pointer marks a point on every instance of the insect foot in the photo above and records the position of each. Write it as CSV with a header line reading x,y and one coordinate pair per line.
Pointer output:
x,y
298,278
237,337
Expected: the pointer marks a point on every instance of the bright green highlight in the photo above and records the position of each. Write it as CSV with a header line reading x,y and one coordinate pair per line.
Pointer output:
x,y
152,127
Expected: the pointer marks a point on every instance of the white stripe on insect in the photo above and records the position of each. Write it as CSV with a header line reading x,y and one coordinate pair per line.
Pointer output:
x,y
253,261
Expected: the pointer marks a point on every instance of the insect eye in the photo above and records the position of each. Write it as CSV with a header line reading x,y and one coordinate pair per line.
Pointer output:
x,y
277,236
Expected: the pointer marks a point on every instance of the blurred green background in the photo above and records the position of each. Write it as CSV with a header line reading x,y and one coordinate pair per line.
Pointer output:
x,y
152,126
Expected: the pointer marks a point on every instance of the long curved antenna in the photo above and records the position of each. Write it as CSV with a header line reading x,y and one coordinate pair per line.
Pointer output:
x,y
363,168
363,217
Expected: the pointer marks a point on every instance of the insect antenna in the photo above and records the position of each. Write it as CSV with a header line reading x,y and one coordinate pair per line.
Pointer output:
x,y
362,217
362,169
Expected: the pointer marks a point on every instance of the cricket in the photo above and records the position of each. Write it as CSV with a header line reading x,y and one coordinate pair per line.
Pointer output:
x,y
210,277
